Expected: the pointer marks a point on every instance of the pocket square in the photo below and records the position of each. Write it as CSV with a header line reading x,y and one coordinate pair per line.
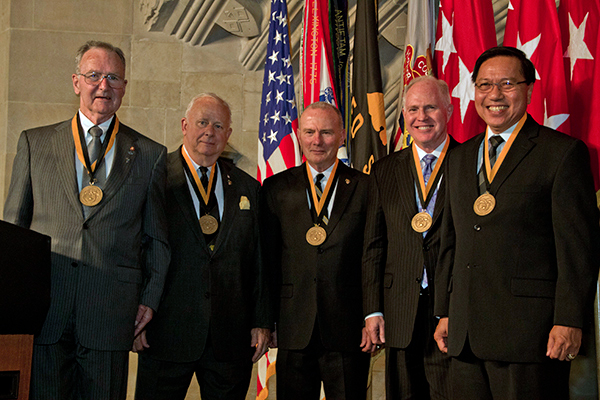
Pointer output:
x,y
244,203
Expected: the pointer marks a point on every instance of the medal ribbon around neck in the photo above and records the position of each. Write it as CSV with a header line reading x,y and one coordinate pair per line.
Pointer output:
x,y
490,173
426,192
319,205
204,194
80,144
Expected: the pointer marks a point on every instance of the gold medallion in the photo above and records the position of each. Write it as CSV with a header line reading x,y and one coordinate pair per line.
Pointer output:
x,y
484,204
316,235
208,224
421,222
90,195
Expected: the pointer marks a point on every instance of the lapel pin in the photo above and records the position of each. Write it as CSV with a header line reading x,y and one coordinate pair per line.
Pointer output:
x,y
347,181
228,180
131,150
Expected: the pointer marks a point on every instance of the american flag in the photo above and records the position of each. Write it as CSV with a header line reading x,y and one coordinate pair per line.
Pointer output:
x,y
278,147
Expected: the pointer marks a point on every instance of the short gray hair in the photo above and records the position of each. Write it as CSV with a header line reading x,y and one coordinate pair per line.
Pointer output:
x,y
442,86
323,105
212,96
96,44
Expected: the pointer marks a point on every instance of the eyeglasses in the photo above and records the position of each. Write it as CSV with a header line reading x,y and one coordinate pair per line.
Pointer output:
x,y
94,78
503,86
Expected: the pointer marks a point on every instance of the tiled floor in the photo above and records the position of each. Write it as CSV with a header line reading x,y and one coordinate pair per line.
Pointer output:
x,y
377,392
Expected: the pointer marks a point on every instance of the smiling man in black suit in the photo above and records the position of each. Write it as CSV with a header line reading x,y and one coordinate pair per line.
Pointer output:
x,y
520,245
402,240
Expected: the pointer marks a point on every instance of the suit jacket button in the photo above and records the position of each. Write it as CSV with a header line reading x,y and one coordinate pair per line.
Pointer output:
x,y
477,228
74,264
426,247
320,250
85,225
207,295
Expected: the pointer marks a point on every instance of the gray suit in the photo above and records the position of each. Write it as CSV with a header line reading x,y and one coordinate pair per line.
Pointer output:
x,y
104,265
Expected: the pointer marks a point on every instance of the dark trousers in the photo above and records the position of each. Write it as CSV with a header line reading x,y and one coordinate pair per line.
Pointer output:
x,y
300,372
421,370
68,371
473,378
165,380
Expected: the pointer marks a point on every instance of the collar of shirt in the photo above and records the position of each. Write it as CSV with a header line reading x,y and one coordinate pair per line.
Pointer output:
x,y
505,135
326,174
218,187
86,124
437,152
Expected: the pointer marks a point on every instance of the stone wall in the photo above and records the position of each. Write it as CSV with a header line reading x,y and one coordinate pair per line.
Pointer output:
x,y
38,41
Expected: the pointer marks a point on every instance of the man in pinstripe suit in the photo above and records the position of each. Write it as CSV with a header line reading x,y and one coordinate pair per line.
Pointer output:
x,y
108,228
401,247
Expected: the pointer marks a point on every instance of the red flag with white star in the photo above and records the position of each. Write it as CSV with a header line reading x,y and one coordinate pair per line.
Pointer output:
x,y
461,37
579,21
532,26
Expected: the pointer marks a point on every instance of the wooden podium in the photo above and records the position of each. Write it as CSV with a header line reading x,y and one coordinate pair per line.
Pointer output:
x,y
24,302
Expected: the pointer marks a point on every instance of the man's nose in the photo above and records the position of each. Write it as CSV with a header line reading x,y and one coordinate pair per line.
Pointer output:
x,y
496,92
104,82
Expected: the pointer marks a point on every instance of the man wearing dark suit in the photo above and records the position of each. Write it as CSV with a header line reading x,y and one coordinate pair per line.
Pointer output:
x,y
314,218
214,319
520,245
108,230
402,240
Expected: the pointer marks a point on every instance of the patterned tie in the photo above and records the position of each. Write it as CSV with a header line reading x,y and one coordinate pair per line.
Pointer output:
x,y
427,167
319,190
495,141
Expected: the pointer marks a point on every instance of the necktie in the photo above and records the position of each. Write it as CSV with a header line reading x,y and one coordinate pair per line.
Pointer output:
x,y
212,208
495,141
94,149
204,177
319,190
96,144
427,167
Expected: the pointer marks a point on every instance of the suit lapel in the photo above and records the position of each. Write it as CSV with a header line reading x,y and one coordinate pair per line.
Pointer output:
x,y
179,186
343,193
64,152
404,178
298,193
441,194
231,197
520,148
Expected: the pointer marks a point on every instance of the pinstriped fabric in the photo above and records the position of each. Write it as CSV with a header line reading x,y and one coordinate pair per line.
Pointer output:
x,y
97,265
393,262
